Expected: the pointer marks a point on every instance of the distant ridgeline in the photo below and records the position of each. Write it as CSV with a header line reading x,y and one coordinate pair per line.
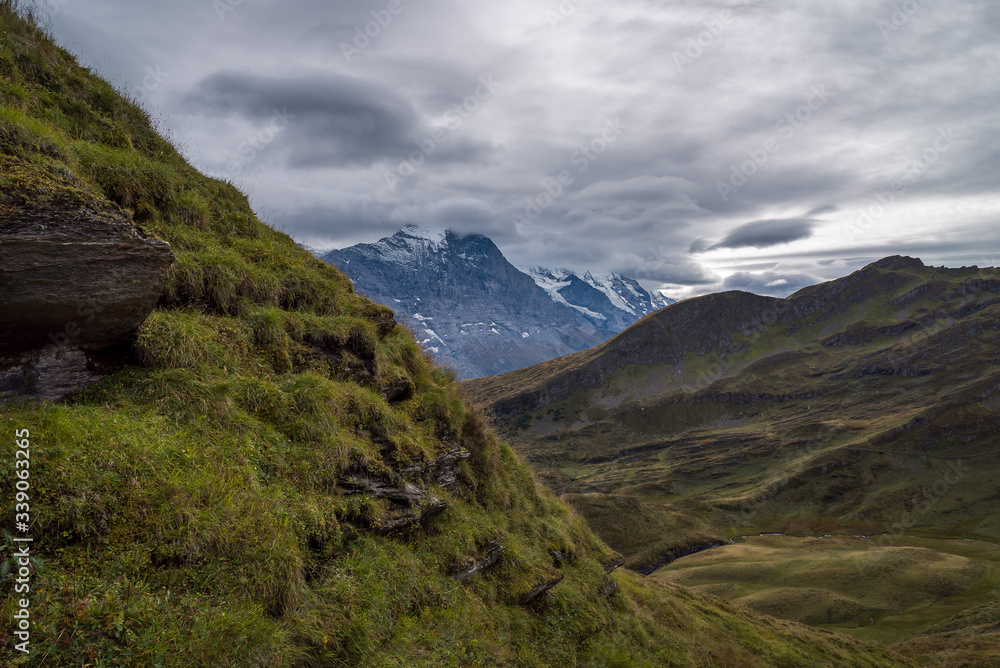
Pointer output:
x,y
476,312
866,406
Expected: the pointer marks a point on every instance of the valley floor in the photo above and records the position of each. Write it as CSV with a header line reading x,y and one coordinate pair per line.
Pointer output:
x,y
885,589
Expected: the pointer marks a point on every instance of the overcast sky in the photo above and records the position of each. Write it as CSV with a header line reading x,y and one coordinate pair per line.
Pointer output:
x,y
760,144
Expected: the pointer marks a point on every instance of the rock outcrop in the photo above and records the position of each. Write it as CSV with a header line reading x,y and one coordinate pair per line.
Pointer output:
x,y
540,589
74,282
614,565
491,555
407,491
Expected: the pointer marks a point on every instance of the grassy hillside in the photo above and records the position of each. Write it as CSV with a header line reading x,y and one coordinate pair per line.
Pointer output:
x,y
970,639
865,406
262,483
845,583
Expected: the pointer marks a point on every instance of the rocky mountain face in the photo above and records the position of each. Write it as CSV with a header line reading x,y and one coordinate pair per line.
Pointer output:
x,y
74,281
474,311
610,301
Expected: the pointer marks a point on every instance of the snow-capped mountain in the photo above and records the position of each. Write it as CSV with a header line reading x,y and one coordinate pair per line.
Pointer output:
x,y
475,311
611,301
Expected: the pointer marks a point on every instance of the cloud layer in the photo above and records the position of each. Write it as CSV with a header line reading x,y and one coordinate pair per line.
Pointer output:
x,y
678,141
760,234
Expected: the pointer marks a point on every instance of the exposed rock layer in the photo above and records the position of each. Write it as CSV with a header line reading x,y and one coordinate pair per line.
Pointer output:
x,y
72,282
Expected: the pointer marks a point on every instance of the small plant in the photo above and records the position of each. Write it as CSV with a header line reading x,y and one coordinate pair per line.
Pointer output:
x,y
9,566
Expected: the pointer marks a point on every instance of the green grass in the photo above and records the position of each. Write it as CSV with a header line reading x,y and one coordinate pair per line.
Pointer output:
x,y
970,638
188,510
787,433
885,593
864,406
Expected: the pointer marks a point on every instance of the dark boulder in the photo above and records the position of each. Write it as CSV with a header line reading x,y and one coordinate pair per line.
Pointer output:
x,y
73,281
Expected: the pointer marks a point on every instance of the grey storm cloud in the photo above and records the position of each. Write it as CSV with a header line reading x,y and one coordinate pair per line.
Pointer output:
x,y
705,93
328,120
761,234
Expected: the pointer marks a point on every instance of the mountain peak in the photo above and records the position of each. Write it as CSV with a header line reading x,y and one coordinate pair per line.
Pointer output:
x,y
473,309
898,262
420,232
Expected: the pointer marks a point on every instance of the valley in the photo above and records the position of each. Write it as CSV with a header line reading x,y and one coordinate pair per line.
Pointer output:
x,y
867,406
847,584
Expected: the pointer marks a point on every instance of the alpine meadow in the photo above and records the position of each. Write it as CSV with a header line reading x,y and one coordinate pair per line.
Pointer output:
x,y
219,450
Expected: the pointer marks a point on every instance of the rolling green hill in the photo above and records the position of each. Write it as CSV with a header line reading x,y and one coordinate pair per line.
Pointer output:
x,y
847,584
273,474
864,406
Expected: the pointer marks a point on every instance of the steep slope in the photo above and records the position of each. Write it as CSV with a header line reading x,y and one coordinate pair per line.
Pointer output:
x,y
868,405
278,476
476,312
970,639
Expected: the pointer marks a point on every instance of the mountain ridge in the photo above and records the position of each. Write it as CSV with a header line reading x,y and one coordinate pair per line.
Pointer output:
x,y
866,406
274,473
701,325
477,312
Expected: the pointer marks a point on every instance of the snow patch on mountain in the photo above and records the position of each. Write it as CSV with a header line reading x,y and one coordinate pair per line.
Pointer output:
x,y
448,286
624,294
549,281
